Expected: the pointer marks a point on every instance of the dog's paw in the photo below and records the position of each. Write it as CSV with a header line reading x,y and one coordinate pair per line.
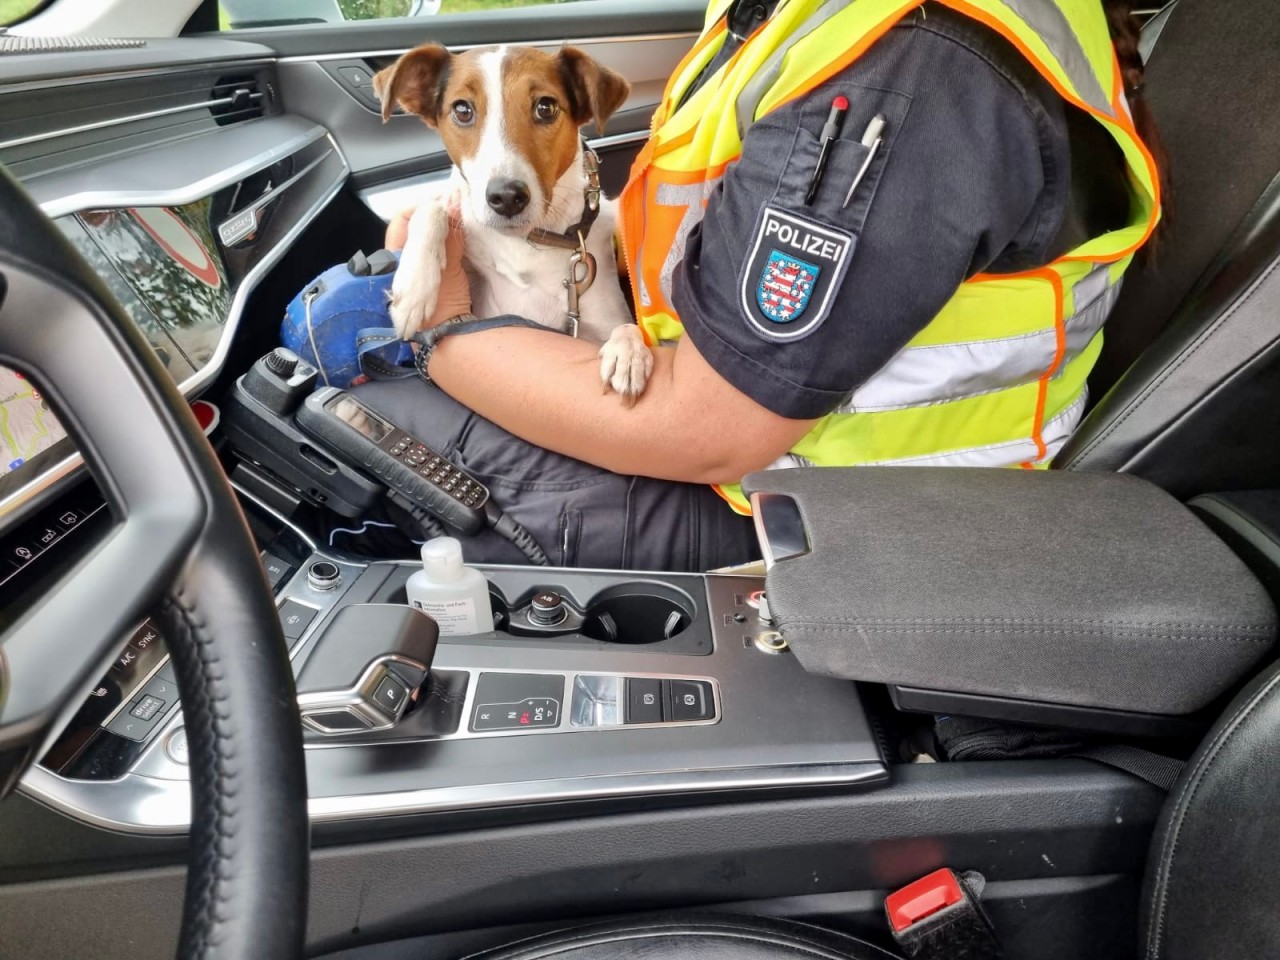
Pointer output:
x,y
414,293
625,363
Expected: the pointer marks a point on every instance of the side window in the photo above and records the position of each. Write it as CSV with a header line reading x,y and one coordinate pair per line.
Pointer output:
x,y
11,11
239,14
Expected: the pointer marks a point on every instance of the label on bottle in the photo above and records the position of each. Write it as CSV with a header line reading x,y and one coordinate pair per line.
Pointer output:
x,y
455,618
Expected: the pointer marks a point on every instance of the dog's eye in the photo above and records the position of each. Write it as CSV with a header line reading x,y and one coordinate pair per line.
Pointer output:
x,y
464,114
546,109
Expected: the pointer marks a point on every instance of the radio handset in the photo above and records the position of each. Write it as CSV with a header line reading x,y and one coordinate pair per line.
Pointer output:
x,y
404,463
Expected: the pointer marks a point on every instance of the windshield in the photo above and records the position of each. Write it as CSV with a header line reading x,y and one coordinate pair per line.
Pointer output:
x,y
243,14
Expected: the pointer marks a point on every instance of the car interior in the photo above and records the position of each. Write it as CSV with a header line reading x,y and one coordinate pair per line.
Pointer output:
x,y
225,733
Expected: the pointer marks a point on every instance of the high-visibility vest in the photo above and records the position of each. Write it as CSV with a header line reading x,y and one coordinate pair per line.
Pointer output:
x,y
997,378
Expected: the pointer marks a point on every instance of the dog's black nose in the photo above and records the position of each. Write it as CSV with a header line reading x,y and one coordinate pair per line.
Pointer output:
x,y
507,197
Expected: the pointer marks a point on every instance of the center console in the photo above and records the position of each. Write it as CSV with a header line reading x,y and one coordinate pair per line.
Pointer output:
x,y
593,688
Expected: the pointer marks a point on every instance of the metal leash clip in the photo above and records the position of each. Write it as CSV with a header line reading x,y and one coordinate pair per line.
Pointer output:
x,y
591,167
582,273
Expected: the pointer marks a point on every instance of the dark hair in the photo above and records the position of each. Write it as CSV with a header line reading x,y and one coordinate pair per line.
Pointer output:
x,y
1125,31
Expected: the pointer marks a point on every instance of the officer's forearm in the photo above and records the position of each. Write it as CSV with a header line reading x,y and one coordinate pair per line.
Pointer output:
x,y
689,425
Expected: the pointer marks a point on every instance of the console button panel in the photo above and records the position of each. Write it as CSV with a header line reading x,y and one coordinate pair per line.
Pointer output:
x,y
517,701
644,700
605,700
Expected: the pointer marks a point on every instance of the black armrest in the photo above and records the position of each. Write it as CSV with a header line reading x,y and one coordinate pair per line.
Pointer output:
x,y
1089,590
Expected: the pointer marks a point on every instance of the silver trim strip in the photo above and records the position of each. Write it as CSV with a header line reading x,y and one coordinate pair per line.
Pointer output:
x,y
64,468
444,799
141,73
459,47
618,139
166,804
287,522
118,121
171,196
564,725
201,378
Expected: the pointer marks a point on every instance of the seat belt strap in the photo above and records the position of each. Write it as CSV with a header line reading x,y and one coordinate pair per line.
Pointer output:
x,y
1157,769
1152,29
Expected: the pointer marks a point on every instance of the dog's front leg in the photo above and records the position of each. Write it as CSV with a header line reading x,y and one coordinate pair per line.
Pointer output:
x,y
625,362
417,282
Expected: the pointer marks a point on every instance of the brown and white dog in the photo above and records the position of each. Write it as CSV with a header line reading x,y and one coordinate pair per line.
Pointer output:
x,y
509,118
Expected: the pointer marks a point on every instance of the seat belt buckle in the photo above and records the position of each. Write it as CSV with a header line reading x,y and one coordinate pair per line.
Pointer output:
x,y
939,917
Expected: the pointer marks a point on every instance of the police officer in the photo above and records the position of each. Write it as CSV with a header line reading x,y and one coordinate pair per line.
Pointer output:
x,y
935,295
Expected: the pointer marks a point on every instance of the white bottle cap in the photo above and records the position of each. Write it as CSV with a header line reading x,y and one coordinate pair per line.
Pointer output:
x,y
442,559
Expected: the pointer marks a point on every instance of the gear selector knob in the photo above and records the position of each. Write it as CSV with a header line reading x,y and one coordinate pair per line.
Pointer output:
x,y
363,670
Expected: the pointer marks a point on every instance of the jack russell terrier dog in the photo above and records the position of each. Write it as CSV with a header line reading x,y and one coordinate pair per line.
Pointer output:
x,y
526,191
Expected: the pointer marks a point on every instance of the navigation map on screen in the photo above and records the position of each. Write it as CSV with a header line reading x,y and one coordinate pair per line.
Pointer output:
x,y
27,427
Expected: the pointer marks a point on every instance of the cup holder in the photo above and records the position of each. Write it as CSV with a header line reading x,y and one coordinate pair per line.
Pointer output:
x,y
501,609
636,614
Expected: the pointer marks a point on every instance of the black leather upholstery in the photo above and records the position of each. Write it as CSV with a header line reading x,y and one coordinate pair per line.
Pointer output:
x,y
1220,160
247,879
1196,411
696,938
1213,885
249,861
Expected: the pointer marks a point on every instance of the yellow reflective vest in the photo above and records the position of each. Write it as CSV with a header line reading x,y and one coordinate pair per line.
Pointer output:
x,y
997,378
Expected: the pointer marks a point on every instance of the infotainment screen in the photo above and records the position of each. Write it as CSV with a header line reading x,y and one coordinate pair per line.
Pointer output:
x,y
28,428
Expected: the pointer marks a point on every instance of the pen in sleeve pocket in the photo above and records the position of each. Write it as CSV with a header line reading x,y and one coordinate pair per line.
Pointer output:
x,y
871,138
831,130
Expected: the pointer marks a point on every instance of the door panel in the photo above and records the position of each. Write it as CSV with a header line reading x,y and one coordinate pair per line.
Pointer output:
x,y
552,23
325,75
379,153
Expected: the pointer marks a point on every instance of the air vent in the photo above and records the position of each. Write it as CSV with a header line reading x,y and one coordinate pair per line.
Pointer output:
x,y
235,99
16,44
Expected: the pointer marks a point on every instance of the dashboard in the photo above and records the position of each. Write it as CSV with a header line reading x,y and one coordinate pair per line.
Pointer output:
x,y
180,211
181,238
181,175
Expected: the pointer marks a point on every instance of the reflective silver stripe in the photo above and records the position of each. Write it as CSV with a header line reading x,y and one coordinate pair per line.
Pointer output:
x,y
955,371
1008,454
768,72
1044,17
1047,20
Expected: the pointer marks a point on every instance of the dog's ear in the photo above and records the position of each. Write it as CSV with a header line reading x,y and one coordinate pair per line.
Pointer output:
x,y
416,81
595,92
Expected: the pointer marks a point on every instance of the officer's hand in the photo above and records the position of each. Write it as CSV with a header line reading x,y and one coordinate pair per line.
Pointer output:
x,y
398,229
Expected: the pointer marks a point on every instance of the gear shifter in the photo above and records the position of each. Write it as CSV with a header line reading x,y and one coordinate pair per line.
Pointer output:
x,y
366,668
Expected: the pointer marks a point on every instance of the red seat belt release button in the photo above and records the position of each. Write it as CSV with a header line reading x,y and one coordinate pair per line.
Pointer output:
x,y
939,918
922,899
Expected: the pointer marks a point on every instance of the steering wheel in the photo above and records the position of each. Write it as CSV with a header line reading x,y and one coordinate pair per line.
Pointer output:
x,y
181,550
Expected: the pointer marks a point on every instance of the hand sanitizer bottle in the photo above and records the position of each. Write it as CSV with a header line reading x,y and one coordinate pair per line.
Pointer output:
x,y
452,594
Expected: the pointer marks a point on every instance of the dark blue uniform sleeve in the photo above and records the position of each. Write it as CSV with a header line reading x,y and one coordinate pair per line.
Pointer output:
x,y
798,304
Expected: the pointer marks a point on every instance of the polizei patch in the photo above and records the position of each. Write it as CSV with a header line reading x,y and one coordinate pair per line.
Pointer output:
x,y
792,272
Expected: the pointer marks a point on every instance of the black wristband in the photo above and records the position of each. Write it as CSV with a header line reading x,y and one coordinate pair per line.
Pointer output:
x,y
464,323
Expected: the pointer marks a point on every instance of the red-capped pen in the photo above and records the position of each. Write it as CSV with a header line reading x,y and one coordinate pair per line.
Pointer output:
x,y
830,130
